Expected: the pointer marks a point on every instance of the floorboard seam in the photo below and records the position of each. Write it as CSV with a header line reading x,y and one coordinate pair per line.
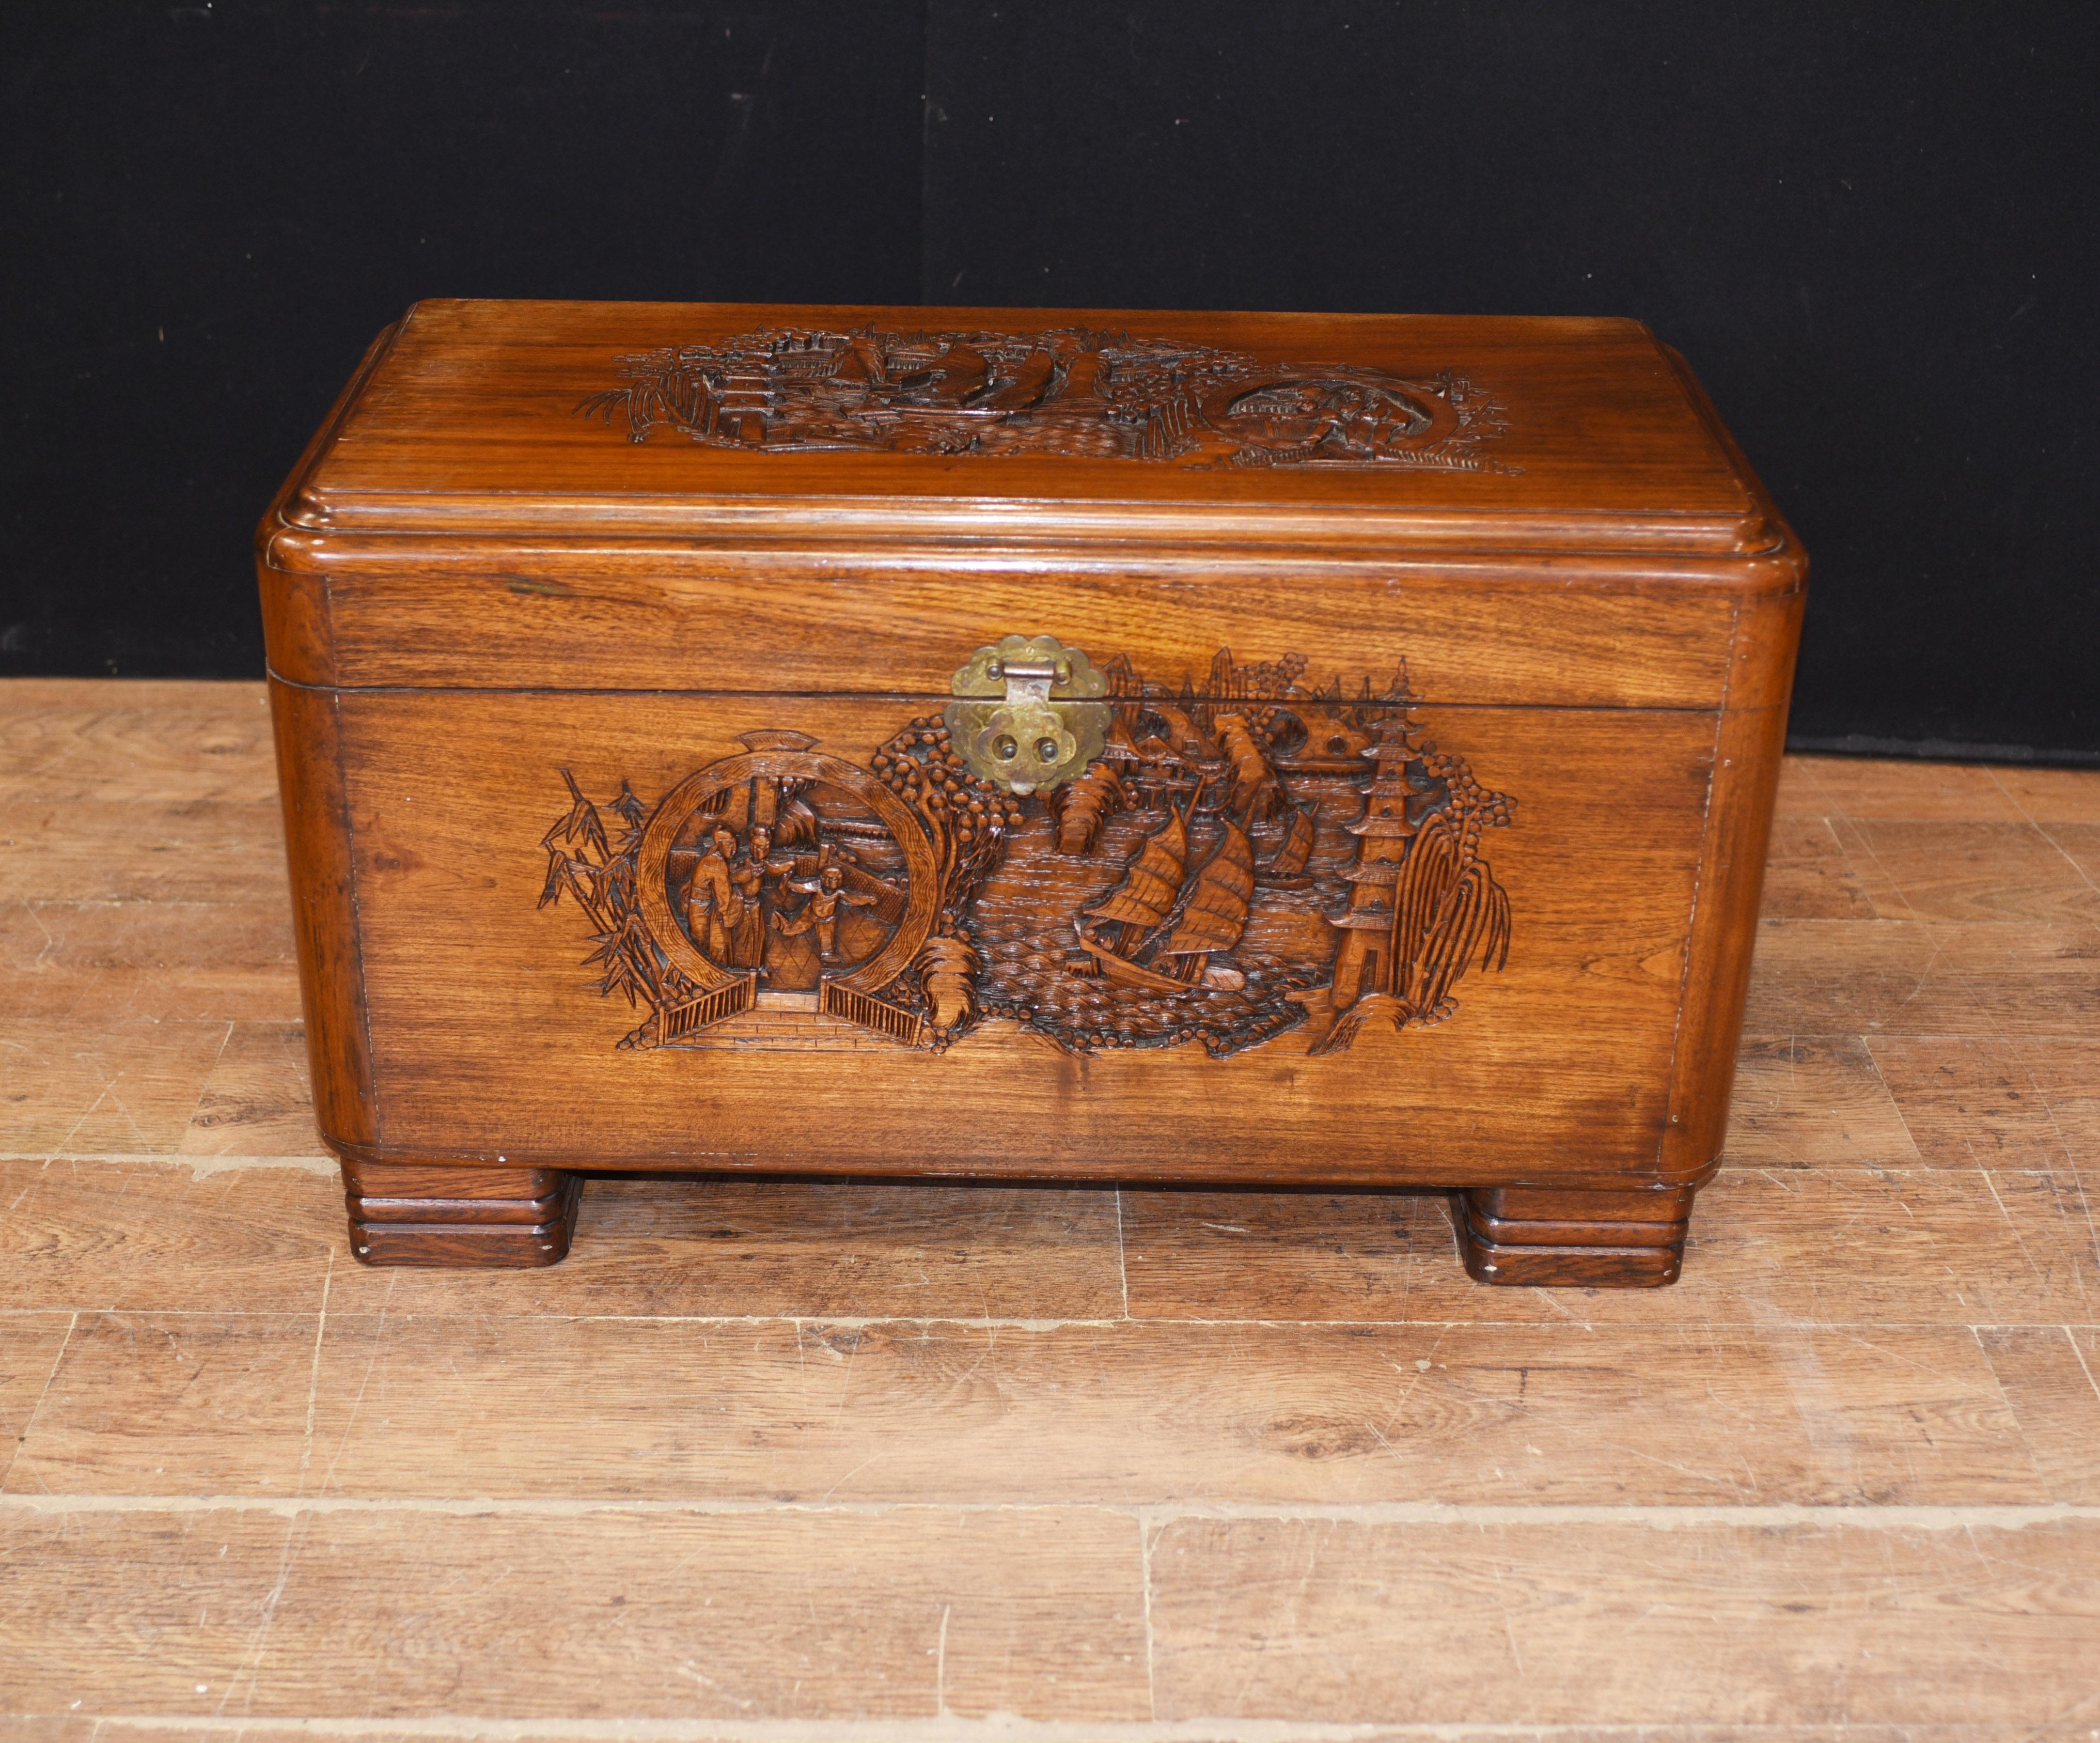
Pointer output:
x,y
200,1165
1150,1515
952,1729
949,1729
1759,1329
1144,1590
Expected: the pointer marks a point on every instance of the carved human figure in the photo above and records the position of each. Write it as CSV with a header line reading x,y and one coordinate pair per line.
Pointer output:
x,y
757,876
826,891
714,907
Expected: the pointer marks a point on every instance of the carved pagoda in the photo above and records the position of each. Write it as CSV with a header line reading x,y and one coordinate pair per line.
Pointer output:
x,y
1364,964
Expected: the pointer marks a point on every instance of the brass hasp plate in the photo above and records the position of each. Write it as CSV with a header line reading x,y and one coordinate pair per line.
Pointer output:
x,y
1030,721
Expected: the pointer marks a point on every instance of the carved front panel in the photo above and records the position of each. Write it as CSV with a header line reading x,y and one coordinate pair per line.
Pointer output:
x,y
1241,861
1073,391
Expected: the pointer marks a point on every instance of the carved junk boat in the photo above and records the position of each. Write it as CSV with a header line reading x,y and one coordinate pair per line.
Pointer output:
x,y
1285,869
1146,916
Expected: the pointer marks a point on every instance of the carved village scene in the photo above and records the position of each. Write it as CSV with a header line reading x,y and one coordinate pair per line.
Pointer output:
x,y
1072,391
1248,856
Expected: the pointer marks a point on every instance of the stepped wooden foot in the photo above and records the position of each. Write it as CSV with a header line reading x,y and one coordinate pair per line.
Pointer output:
x,y
418,1214
1550,1239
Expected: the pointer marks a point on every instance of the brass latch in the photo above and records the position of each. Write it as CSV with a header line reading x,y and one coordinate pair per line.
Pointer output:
x,y
1037,725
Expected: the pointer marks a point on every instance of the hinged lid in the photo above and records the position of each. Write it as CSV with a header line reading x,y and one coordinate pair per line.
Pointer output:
x,y
715,424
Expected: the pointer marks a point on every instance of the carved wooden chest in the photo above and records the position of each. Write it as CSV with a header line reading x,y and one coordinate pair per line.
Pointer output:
x,y
1270,749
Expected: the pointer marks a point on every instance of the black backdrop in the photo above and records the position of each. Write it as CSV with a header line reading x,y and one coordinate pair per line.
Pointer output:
x,y
1873,229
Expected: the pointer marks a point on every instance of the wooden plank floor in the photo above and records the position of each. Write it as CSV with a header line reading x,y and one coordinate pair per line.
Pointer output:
x,y
864,1462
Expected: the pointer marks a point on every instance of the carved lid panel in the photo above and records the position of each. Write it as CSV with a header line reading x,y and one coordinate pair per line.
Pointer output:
x,y
633,421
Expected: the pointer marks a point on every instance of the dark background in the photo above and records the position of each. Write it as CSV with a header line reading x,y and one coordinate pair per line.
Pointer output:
x,y
1872,228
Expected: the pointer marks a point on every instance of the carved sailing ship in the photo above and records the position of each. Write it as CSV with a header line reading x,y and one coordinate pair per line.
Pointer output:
x,y
1151,934
1285,869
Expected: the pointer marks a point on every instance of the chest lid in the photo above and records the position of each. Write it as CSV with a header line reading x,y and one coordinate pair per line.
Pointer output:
x,y
718,423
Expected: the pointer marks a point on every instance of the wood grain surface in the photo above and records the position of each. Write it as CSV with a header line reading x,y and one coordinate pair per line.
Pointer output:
x,y
873,1460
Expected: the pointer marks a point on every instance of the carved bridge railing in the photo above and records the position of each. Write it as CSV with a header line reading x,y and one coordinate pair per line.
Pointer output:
x,y
891,1020
676,1021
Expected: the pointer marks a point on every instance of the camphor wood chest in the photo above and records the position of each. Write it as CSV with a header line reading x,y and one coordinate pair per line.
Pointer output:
x,y
1273,749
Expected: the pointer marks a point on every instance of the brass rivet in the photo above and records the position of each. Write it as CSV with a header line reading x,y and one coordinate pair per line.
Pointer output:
x,y
1006,750
1046,749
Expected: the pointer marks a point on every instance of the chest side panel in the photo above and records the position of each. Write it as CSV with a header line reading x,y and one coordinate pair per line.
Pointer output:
x,y
1289,932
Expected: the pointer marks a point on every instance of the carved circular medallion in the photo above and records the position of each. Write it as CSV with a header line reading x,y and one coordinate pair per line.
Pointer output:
x,y
710,882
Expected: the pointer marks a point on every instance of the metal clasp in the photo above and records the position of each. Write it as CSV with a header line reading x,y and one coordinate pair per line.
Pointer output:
x,y
1037,724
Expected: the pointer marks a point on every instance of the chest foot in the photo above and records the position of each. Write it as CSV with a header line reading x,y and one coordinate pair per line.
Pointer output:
x,y
1547,1238
411,1214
